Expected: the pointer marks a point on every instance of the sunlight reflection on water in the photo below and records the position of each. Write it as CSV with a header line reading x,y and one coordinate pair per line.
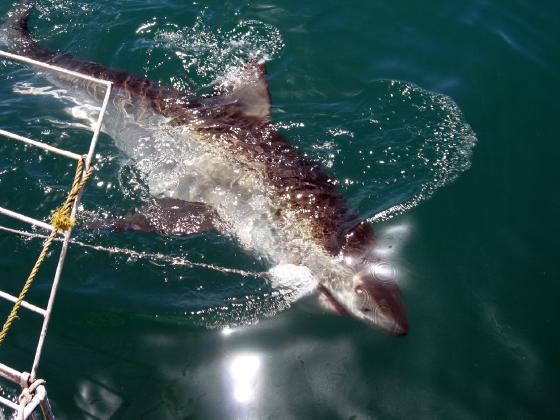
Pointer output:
x,y
243,375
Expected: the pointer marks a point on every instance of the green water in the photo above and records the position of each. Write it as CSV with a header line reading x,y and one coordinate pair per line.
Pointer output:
x,y
476,247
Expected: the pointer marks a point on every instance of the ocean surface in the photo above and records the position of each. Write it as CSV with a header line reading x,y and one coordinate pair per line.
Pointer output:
x,y
438,120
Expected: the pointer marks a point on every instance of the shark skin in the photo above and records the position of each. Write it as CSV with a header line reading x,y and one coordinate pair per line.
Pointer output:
x,y
275,202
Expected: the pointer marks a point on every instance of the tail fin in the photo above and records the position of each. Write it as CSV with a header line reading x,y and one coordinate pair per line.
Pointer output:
x,y
18,36
17,26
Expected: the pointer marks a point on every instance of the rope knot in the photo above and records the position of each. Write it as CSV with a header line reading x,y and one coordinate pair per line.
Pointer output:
x,y
61,220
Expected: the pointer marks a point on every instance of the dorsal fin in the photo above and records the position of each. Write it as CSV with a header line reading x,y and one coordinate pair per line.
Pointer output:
x,y
247,91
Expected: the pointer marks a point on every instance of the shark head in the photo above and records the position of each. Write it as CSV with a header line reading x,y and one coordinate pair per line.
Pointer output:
x,y
377,300
370,294
373,294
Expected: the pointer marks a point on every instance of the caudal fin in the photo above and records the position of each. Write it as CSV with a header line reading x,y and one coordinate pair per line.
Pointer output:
x,y
18,37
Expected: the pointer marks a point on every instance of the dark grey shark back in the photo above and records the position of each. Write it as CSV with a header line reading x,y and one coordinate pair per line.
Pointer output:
x,y
239,119
164,100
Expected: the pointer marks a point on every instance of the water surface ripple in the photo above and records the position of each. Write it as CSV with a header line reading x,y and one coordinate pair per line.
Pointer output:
x,y
436,119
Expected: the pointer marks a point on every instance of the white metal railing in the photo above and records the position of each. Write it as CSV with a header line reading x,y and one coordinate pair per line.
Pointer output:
x,y
34,393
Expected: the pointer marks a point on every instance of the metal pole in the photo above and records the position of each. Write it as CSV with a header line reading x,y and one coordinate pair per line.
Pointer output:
x,y
26,219
52,296
46,409
66,240
25,304
11,374
93,143
51,67
9,403
40,145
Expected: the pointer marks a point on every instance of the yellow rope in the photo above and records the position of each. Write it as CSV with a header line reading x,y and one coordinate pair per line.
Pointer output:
x,y
61,222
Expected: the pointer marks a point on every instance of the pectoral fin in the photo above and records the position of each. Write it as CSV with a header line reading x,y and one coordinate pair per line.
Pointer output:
x,y
169,216
329,302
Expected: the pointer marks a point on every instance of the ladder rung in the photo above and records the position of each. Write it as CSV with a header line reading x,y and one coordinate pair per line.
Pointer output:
x,y
25,304
40,145
55,68
9,403
26,219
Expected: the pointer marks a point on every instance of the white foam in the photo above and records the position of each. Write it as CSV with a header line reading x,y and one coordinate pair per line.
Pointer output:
x,y
297,279
86,113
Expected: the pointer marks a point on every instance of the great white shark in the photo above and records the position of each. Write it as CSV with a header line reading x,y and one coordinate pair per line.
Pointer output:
x,y
244,178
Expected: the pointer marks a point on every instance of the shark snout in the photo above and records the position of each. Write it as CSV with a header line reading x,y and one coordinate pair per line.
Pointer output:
x,y
378,300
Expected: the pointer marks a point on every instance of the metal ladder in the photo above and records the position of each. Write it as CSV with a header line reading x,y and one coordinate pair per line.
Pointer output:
x,y
34,393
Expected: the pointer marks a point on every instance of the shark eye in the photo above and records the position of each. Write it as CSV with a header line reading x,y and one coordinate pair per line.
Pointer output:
x,y
364,300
